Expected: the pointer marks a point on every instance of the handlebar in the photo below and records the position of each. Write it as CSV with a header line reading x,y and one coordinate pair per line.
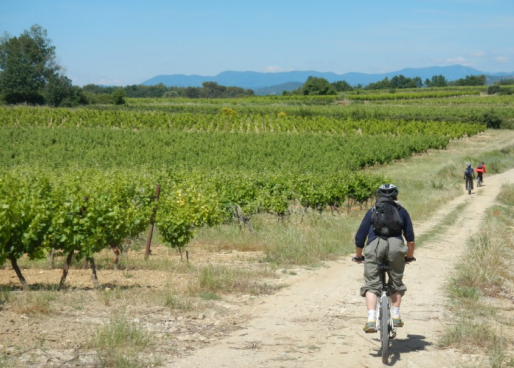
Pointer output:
x,y
360,259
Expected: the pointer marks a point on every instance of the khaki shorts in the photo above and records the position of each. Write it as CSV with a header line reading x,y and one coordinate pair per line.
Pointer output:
x,y
377,252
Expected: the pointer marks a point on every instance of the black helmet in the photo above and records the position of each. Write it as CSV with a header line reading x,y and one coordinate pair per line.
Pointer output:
x,y
469,164
388,190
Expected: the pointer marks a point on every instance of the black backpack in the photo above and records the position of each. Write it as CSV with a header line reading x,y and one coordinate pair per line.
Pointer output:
x,y
468,173
385,219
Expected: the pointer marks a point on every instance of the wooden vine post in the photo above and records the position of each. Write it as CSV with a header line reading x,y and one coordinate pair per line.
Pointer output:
x,y
152,222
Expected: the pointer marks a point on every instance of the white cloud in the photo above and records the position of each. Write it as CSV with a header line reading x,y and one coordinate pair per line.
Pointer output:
x,y
457,60
501,59
275,69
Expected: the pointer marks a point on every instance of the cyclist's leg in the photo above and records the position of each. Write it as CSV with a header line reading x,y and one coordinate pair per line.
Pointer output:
x,y
397,252
374,254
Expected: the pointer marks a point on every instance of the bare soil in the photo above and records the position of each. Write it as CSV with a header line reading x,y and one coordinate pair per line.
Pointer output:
x,y
315,320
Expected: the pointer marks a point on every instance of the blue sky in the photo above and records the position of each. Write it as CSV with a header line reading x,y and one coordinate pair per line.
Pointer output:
x,y
124,42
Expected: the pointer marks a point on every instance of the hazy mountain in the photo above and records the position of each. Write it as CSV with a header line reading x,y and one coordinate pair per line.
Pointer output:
x,y
268,83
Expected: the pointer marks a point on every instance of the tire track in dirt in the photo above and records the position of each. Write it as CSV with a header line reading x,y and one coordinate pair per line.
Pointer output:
x,y
317,321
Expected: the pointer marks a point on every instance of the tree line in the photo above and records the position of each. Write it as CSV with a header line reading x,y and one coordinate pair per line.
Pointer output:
x,y
321,86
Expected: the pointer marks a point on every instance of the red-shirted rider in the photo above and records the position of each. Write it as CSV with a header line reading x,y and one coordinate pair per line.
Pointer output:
x,y
480,171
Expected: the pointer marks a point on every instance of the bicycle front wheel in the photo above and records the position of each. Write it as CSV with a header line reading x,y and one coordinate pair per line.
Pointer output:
x,y
384,329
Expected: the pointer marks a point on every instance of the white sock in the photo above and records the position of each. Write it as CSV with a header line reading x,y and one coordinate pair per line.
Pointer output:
x,y
371,315
396,312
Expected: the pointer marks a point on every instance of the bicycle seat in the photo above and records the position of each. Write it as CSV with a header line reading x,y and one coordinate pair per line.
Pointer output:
x,y
384,267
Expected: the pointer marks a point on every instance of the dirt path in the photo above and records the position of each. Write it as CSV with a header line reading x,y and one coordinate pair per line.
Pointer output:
x,y
317,321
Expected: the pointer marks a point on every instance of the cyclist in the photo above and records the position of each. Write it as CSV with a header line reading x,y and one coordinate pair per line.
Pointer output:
x,y
377,250
469,174
480,170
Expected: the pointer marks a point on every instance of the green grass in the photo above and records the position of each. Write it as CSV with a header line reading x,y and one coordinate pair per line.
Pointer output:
x,y
427,182
477,289
119,344
444,223
178,302
225,279
34,302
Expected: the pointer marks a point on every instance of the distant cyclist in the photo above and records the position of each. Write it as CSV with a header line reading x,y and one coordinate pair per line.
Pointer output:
x,y
378,249
480,170
469,175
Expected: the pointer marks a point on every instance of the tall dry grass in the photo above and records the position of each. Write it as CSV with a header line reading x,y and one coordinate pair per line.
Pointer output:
x,y
483,283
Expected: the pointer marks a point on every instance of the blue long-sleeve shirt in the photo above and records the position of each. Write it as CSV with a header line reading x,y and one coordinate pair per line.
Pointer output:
x,y
366,230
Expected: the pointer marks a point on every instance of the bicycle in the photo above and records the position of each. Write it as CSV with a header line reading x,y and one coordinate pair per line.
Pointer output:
x,y
479,181
385,326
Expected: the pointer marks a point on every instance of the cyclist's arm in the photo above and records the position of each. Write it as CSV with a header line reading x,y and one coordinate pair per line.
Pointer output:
x,y
363,231
411,245
361,236
408,232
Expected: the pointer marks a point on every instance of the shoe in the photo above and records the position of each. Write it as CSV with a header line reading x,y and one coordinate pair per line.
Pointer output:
x,y
370,327
397,322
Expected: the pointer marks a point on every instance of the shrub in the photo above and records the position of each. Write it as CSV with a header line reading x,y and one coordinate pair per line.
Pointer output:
x,y
494,89
491,120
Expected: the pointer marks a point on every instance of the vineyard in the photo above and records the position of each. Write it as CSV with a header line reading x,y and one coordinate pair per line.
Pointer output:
x,y
80,180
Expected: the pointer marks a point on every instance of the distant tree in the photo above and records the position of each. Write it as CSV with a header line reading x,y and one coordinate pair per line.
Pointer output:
x,y
318,86
400,81
383,84
93,88
156,91
436,81
118,96
508,81
192,92
30,73
235,92
97,94
471,80
212,90
171,94
396,82
342,86
59,91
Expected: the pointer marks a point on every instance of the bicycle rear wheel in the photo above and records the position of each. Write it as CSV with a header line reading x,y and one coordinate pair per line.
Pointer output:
x,y
384,329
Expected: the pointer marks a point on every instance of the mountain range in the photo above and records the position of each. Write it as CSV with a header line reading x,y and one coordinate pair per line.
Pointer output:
x,y
275,83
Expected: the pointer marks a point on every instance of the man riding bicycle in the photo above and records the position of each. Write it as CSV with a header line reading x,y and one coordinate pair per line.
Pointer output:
x,y
469,175
379,249
480,170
